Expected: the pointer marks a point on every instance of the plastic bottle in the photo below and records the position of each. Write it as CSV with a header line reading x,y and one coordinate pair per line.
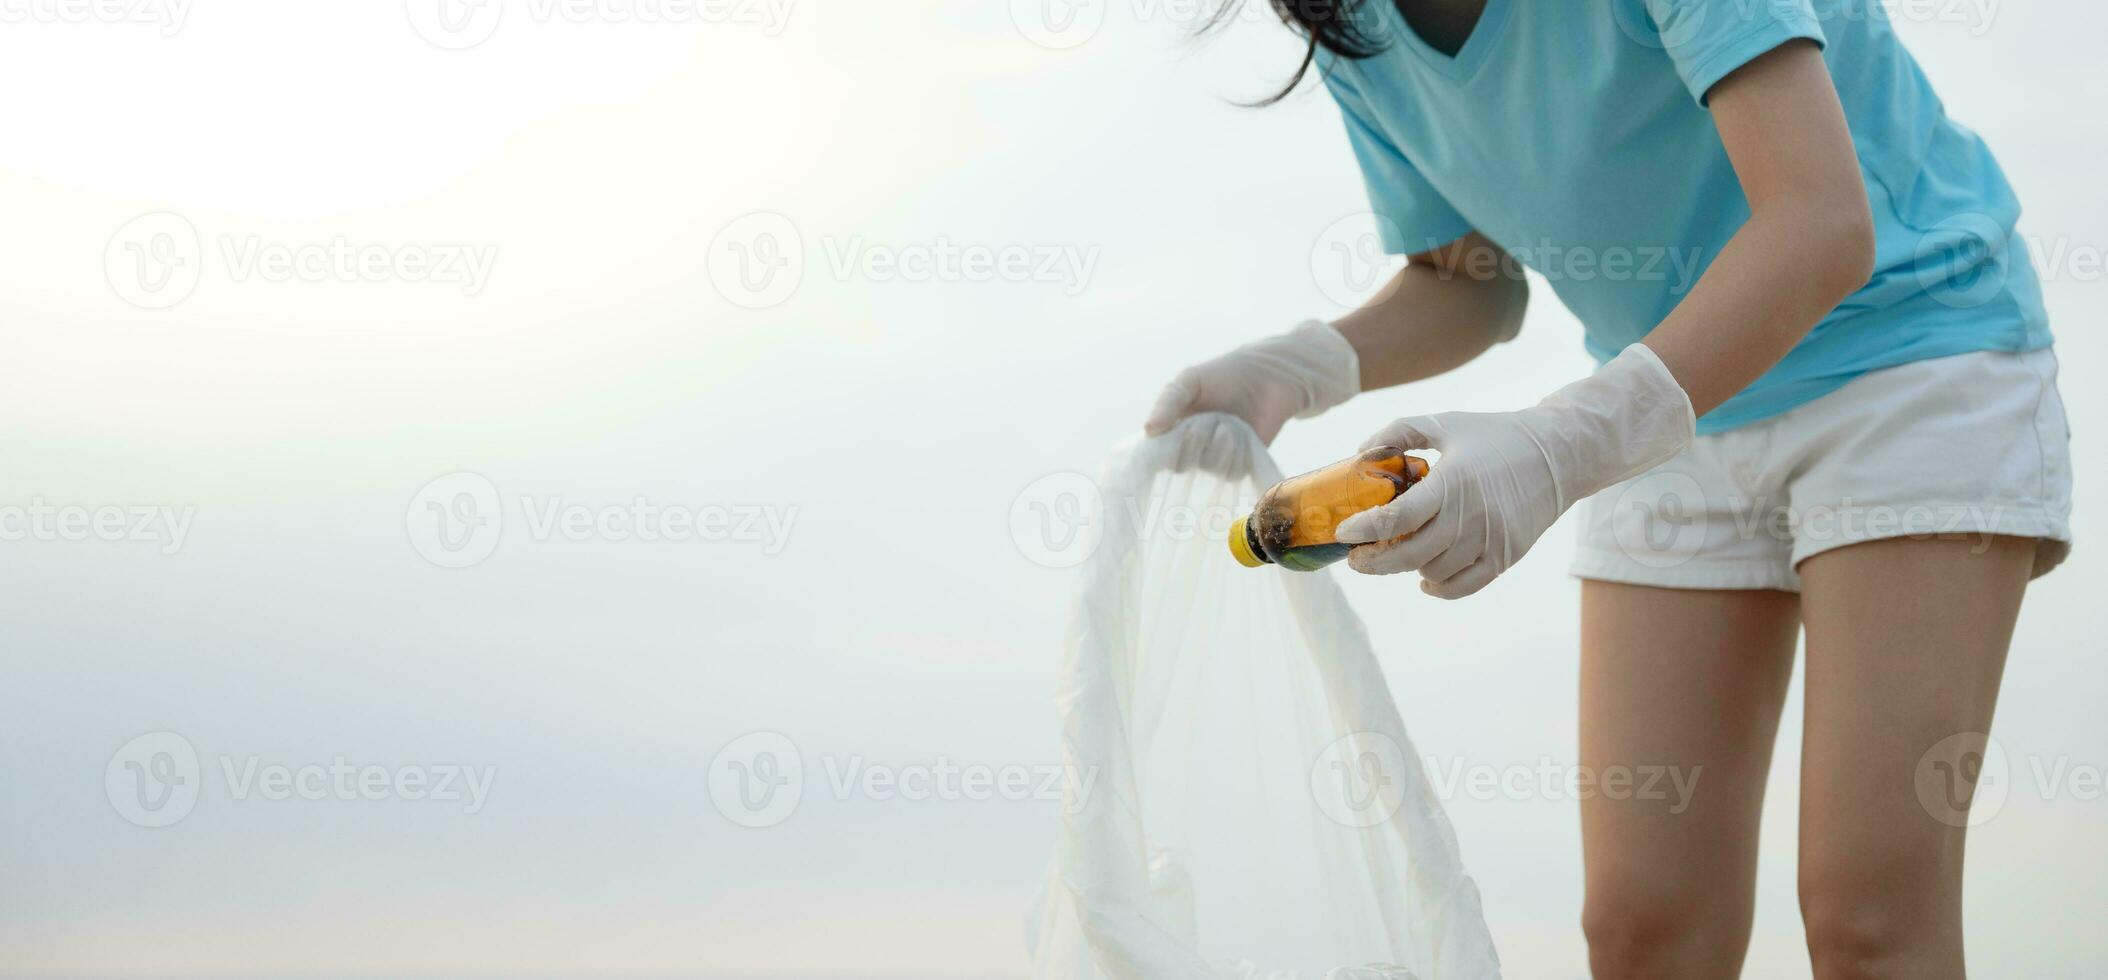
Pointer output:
x,y
1294,522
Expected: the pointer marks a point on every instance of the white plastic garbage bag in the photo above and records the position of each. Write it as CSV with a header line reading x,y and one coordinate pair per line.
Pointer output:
x,y
1257,809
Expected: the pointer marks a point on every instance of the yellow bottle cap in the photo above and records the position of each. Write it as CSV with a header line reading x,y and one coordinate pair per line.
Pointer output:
x,y
1241,545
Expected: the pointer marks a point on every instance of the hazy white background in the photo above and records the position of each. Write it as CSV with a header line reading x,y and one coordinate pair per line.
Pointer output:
x,y
891,421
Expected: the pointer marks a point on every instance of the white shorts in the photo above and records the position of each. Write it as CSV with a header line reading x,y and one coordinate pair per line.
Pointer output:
x,y
1975,443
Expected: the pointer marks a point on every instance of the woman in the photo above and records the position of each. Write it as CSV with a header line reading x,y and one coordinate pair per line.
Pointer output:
x,y
1826,387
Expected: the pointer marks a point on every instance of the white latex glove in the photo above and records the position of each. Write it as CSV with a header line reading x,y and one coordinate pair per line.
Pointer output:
x,y
1503,479
1298,374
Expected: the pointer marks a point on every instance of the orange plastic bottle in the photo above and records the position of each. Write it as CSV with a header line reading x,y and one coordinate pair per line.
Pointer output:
x,y
1294,522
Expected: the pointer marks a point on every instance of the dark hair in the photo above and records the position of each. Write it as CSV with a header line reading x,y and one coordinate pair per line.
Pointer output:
x,y
1328,24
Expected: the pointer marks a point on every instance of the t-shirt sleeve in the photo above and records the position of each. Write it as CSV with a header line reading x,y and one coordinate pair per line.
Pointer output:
x,y
1707,39
1412,216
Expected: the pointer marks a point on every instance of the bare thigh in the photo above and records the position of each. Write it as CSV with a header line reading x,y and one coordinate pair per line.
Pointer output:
x,y
1692,682
1906,646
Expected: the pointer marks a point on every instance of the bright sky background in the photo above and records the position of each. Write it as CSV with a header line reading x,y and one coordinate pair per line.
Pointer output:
x,y
887,422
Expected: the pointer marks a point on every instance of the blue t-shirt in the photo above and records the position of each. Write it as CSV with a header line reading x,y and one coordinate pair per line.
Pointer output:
x,y
1575,134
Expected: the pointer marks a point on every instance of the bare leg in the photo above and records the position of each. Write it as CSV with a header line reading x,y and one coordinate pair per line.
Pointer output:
x,y
1692,680
1906,643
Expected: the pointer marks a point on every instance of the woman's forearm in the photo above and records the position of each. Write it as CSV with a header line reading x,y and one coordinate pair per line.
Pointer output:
x,y
1773,282
1809,242
1443,309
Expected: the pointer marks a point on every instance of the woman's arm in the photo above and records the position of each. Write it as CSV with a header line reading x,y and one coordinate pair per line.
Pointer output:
x,y
1505,478
1808,245
1444,308
1809,242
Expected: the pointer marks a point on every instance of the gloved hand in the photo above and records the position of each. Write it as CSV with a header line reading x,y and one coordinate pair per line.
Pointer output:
x,y
1298,374
1503,479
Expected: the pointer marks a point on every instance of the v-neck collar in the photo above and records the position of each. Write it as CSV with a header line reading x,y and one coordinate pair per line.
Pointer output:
x,y
1465,63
